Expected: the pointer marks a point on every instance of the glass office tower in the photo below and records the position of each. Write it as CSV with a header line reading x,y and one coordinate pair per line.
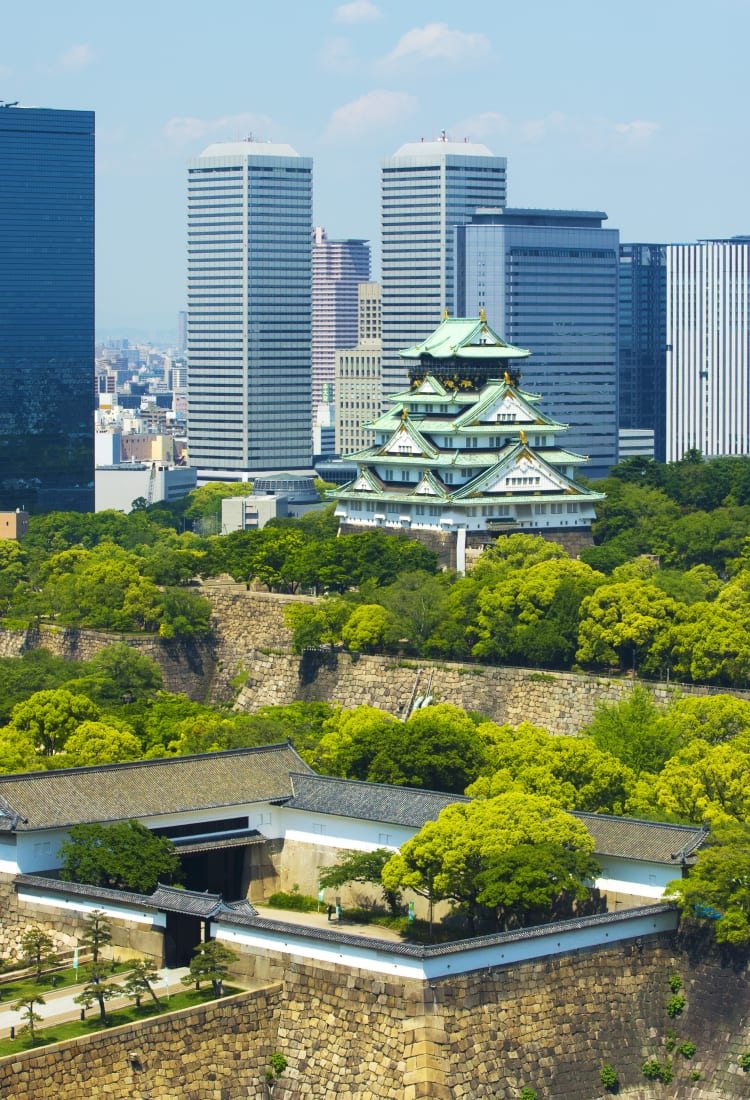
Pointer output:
x,y
547,280
249,310
642,370
428,187
46,309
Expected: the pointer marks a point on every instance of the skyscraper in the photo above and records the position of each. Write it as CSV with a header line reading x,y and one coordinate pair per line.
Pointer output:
x,y
642,366
428,187
338,267
708,348
249,310
547,279
357,394
46,309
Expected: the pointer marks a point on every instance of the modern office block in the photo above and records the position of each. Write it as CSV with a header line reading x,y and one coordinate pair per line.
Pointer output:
x,y
338,267
249,310
46,309
642,366
549,280
708,348
358,375
428,188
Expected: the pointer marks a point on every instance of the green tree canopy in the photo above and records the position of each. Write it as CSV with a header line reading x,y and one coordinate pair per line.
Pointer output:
x,y
50,717
716,892
470,856
123,856
635,731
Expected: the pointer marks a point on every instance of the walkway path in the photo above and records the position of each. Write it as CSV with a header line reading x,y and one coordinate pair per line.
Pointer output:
x,y
320,920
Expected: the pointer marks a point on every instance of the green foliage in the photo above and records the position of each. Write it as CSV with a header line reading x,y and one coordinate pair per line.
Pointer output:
x,y
608,1077
292,900
634,731
123,856
277,1064
38,950
744,1061
655,1070
26,1006
675,1006
97,933
361,867
120,674
184,614
34,670
371,628
717,890
518,855
527,1093
50,717
675,983
670,1040
210,963
686,1048
97,990
141,980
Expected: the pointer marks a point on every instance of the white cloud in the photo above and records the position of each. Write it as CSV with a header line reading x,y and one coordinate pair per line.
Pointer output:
x,y
437,42
337,56
77,57
638,130
373,111
183,131
359,11
482,125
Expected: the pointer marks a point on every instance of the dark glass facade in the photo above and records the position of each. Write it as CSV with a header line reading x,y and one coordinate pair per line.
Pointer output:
x,y
642,368
46,309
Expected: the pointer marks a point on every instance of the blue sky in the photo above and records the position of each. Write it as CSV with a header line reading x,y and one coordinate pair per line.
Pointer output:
x,y
638,109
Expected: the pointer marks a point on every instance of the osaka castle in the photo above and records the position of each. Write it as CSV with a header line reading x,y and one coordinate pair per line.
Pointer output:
x,y
465,454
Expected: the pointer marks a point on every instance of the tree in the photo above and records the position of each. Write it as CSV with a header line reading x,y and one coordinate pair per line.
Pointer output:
x,y
50,717
716,892
142,979
417,603
97,933
626,625
38,950
467,856
97,990
210,963
26,1007
316,624
701,782
99,743
120,674
184,614
572,770
370,628
123,856
635,730
361,867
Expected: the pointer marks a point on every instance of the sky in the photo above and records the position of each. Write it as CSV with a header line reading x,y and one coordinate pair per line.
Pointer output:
x,y
638,109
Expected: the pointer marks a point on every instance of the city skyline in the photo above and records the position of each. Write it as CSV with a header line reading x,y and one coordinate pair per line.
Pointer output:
x,y
593,108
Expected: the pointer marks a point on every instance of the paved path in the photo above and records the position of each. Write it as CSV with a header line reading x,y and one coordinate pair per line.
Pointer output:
x,y
320,920
59,1006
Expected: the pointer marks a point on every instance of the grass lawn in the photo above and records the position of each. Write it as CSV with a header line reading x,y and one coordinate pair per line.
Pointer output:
x,y
58,1032
27,987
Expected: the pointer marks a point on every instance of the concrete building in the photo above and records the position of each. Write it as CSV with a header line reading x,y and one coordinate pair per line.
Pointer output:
x,y
14,525
464,453
548,278
46,308
358,375
708,348
338,267
252,512
428,188
117,486
249,310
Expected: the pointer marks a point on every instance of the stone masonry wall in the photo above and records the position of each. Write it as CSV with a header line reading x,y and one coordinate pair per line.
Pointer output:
x,y
251,646
549,1025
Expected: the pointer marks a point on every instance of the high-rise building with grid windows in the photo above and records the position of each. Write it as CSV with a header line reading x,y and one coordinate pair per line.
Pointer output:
x,y
428,188
708,348
46,309
338,267
249,310
357,390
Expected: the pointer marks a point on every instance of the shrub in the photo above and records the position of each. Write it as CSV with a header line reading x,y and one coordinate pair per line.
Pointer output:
x,y
670,1039
651,1069
675,1005
687,1049
292,900
608,1077
695,1075
527,1094
675,983
744,1060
